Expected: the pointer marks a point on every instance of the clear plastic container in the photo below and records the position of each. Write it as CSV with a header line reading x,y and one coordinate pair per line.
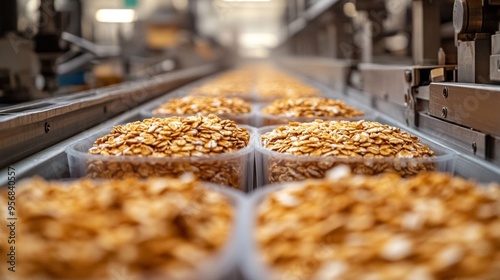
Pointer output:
x,y
274,167
223,263
233,169
255,268
252,266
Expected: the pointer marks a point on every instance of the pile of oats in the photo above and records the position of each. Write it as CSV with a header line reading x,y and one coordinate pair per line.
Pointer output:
x,y
181,138
272,84
137,229
202,105
306,109
431,226
343,140
236,83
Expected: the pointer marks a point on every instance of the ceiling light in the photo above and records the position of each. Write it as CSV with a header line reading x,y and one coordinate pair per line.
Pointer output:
x,y
115,15
258,39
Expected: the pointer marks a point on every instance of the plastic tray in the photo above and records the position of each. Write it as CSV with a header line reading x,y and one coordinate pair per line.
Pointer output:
x,y
252,266
222,263
274,167
225,262
231,169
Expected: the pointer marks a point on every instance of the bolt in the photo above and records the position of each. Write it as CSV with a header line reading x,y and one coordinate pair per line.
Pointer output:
x,y
408,76
47,127
445,92
444,112
474,147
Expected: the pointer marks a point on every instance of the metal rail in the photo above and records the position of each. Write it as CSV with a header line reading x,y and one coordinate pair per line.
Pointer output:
x,y
33,127
52,163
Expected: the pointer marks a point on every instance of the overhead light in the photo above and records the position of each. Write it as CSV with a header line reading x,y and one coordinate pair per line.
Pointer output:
x,y
115,15
255,52
258,39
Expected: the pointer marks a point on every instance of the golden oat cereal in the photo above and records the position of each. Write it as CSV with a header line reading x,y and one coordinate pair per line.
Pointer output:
x,y
236,83
175,145
306,109
201,105
232,108
131,229
342,140
272,84
431,226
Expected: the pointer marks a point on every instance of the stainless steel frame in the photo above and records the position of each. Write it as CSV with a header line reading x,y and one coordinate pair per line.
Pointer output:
x,y
470,105
35,126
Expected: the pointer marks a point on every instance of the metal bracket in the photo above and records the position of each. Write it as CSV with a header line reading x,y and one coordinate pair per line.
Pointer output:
x,y
470,105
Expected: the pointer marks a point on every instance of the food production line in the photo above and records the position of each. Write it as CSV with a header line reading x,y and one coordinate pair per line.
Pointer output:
x,y
431,67
250,139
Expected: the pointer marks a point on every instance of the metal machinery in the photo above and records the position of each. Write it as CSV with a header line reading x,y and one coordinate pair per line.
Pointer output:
x,y
33,132
430,65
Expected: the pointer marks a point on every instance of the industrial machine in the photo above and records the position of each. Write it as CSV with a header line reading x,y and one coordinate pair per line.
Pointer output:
x,y
429,65
37,107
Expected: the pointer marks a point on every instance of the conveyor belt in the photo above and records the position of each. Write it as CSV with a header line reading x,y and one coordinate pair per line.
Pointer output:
x,y
52,162
32,127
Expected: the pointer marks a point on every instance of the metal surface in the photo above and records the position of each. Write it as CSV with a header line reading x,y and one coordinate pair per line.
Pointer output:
x,y
470,105
475,169
474,60
47,43
495,67
310,14
295,26
423,92
475,21
454,136
385,81
47,123
426,41
318,8
468,16
330,72
495,58
396,112
494,143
